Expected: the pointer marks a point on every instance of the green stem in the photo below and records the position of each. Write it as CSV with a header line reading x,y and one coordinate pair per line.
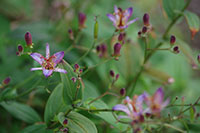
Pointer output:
x,y
95,110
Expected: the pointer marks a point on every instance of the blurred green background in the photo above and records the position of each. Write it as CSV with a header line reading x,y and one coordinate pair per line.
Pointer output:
x,y
49,21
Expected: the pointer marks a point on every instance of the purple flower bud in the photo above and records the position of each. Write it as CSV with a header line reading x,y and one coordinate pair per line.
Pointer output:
x,y
65,122
139,33
146,19
76,66
121,36
73,79
144,29
81,19
176,50
103,48
141,118
112,73
81,70
71,34
172,39
98,48
6,81
197,115
28,39
64,130
198,58
117,48
20,48
17,53
122,91
117,76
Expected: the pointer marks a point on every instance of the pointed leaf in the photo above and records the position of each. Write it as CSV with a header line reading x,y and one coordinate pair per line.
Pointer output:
x,y
39,128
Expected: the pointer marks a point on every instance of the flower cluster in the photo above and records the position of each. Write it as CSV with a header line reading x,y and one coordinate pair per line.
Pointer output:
x,y
134,108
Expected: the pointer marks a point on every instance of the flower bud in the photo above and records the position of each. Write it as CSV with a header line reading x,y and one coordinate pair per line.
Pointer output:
x,y
117,48
20,48
117,76
172,40
6,81
139,33
28,39
81,70
144,29
96,28
112,73
121,37
176,50
73,79
71,34
17,53
98,48
65,121
198,58
103,50
81,20
122,91
76,66
146,19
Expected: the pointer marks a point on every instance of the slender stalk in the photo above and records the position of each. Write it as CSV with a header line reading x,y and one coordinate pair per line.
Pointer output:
x,y
95,110
104,94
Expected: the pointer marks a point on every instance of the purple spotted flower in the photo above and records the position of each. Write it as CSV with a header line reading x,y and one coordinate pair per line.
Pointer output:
x,y
48,63
156,102
120,18
132,107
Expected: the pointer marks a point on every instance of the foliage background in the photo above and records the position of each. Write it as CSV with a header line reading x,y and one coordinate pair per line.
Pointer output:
x,y
49,23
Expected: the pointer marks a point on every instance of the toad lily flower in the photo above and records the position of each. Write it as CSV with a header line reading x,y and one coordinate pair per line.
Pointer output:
x,y
133,108
155,102
49,63
120,18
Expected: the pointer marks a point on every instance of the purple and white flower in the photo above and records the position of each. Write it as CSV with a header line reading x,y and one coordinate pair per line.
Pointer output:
x,y
156,102
132,107
120,18
48,63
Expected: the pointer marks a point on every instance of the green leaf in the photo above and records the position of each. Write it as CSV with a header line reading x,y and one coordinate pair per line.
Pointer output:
x,y
55,104
193,22
61,118
192,114
39,128
69,87
173,7
90,90
22,111
78,123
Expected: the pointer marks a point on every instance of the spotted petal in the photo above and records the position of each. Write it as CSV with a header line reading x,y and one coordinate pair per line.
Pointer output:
x,y
58,57
111,17
37,57
47,51
60,70
47,73
121,107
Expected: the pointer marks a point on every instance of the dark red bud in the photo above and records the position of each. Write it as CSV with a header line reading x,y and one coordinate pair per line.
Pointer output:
x,y
117,76
198,58
98,48
17,53
146,19
76,66
122,91
103,48
121,36
117,48
73,79
139,33
81,70
81,18
172,40
65,121
20,48
28,39
112,73
120,9
71,34
176,50
6,81
144,29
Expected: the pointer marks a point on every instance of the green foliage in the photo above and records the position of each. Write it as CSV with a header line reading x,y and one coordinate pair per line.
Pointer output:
x,y
21,111
37,128
192,20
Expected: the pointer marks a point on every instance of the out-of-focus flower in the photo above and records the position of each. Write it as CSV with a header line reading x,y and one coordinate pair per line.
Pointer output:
x,y
6,81
28,39
112,73
102,50
120,18
17,53
117,76
48,63
76,67
122,91
144,29
132,107
65,122
198,58
156,102
73,79
146,19
20,48
81,20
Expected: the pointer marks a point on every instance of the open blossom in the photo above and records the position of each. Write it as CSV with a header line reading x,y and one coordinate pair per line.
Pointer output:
x,y
156,102
120,18
132,107
48,63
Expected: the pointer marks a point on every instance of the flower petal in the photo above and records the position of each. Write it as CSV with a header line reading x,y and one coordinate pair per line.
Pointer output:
x,y
123,108
112,18
158,96
35,69
60,70
132,21
47,51
58,57
164,104
116,9
37,57
129,12
47,73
